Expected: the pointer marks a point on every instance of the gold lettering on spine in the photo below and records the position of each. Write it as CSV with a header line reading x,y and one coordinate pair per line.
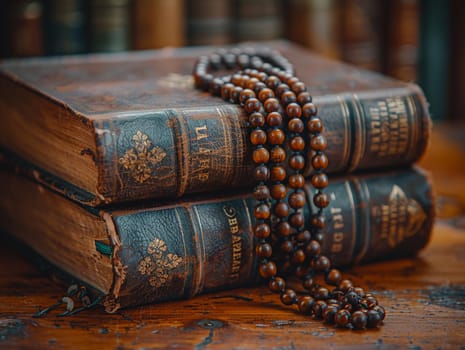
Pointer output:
x,y
202,157
389,128
201,132
233,224
400,218
338,230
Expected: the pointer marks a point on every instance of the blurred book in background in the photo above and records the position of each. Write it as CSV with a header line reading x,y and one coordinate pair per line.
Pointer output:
x,y
109,23
157,23
209,22
65,27
315,24
403,39
361,33
24,23
258,20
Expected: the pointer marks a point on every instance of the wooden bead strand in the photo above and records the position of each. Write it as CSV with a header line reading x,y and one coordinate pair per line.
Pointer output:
x,y
283,128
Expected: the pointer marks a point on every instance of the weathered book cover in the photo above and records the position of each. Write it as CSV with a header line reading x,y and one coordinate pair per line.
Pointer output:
x,y
130,126
153,252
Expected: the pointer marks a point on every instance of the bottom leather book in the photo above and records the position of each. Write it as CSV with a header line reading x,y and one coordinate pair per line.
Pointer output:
x,y
144,253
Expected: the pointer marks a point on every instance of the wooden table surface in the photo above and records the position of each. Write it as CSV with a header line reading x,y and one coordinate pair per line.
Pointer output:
x,y
424,297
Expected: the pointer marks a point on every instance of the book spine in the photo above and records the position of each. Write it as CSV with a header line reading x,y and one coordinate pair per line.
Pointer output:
x,y
209,22
109,25
169,153
190,248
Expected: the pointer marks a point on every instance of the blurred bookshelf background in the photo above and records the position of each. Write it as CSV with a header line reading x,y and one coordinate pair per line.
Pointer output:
x,y
422,41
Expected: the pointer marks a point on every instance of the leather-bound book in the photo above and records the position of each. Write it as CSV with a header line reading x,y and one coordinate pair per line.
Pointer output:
x,y
151,252
130,126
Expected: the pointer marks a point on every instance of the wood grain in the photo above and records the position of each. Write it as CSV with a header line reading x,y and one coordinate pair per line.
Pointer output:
x,y
424,298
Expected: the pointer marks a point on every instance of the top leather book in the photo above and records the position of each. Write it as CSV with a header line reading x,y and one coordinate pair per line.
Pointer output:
x,y
128,126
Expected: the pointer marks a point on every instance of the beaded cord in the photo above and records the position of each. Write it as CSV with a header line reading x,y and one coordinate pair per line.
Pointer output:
x,y
284,126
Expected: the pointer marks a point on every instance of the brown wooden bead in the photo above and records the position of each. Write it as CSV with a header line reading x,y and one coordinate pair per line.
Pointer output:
x,y
288,297
281,89
297,200
257,119
381,311
303,98
251,83
261,192
236,79
226,91
278,191
258,137
281,209
319,161
271,105
287,246
264,250
318,143
274,119
297,143
298,87
277,285
309,110
318,221
322,263
261,76
292,80
315,125
293,110
288,97
298,257
262,211
262,230
329,313
321,293
342,318
295,125
307,283
306,305
297,162
265,94
268,269
319,181
313,248
296,181
261,155
235,94
276,137
360,292
333,277
215,86
373,319
297,220
371,301
272,82
319,308
345,286
252,105
359,320
278,154
321,200
278,173
259,87
245,95
284,228
261,173
304,236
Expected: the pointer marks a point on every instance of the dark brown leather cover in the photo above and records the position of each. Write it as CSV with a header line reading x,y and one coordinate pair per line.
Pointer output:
x,y
158,137
179,250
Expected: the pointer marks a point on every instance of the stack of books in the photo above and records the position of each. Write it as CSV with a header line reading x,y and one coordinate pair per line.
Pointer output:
x,y
120,173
